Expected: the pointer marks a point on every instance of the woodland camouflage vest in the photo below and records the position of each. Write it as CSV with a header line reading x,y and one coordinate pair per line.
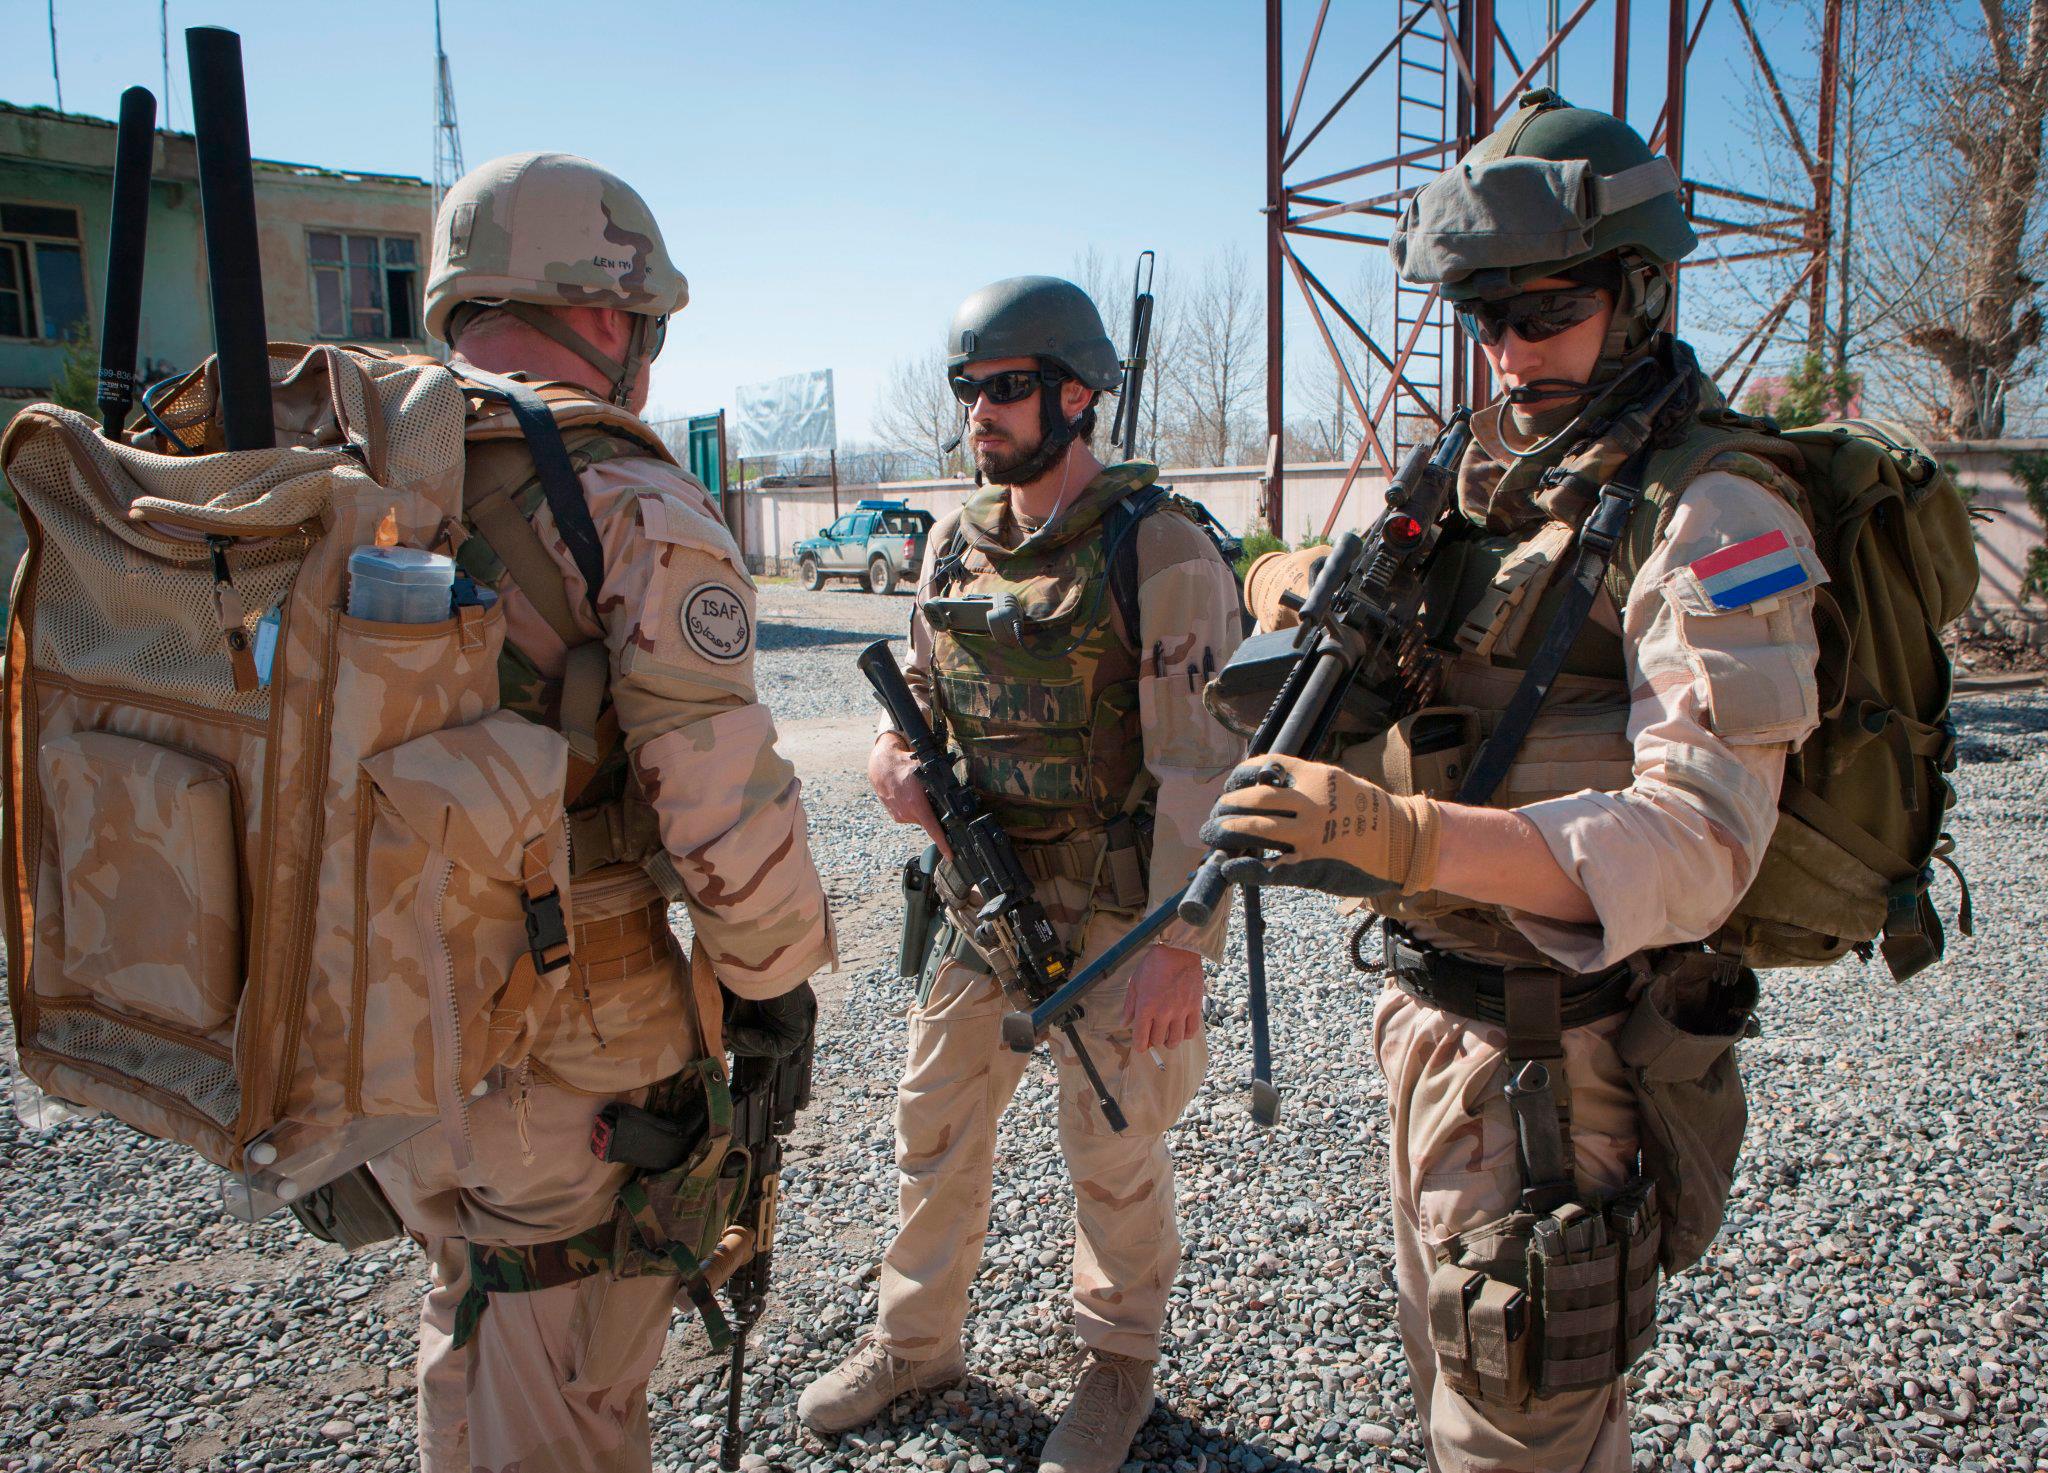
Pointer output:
x,y
1045,708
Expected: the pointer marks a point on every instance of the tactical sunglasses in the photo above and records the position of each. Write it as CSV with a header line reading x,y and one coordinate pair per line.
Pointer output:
x,y
1008,387
1531,316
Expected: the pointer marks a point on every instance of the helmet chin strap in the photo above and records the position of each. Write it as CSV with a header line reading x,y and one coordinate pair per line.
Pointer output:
x,y
620,372
1642,306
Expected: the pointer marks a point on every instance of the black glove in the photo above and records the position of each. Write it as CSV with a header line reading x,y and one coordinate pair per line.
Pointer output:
x,y
770,1028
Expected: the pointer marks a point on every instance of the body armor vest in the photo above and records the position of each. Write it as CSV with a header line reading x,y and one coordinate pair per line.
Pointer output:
x,y
1044,706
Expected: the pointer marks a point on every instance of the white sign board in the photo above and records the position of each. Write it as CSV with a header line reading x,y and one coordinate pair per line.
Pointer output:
x,y
791,415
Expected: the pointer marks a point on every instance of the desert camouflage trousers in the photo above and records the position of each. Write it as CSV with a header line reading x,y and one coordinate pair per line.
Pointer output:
x,y
553,1380
956,1083
1453,1167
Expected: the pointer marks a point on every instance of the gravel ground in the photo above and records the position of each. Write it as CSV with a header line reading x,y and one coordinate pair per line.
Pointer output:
x,y
1876,1300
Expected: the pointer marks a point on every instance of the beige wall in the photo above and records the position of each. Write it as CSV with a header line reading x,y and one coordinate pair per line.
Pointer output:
x,y
288,205
776,519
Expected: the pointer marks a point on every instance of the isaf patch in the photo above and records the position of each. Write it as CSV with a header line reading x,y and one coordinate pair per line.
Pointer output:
x,y
715,623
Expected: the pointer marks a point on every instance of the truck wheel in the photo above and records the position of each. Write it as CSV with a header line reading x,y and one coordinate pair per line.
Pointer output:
x,y
809,574
881,575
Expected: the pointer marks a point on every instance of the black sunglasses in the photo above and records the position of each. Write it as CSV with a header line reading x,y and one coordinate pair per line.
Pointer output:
x,y
1531,316
1008,387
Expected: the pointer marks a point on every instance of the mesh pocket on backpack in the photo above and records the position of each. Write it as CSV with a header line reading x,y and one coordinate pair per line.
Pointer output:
x,y
200,1079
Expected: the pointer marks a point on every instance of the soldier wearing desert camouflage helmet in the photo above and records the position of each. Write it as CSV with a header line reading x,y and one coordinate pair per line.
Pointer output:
x,y
1081,725
1548,936
535,1341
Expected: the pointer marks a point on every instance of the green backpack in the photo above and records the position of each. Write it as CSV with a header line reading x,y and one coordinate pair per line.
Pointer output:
x,y
1860,822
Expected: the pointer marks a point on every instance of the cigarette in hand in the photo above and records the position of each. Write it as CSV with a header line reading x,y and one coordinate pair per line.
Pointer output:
x,y
1157,1060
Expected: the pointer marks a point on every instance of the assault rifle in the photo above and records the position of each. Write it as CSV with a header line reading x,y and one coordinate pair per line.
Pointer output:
x,y
1011,929
766,1096
1349,657
1353,653
1123,430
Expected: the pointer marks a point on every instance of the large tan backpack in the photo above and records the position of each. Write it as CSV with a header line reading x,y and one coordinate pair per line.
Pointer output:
x,y
286,917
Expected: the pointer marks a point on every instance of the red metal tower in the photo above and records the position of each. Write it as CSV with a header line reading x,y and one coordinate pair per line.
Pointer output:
x,y
1453,69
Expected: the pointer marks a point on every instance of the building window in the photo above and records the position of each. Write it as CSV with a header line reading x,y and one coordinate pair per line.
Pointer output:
x,y
42,272
365,287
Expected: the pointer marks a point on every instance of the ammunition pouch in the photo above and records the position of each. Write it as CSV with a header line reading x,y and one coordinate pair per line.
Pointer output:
x,y
1679,1046
1535,1305
350,1212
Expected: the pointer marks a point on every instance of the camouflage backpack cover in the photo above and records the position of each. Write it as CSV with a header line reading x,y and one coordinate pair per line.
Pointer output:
x,y
1860,823
281,884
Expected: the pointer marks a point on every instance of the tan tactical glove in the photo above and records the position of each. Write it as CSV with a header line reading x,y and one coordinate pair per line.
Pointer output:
x,y
1338,833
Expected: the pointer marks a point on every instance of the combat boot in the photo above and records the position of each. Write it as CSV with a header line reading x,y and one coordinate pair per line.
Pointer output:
x,y
1111,1402
861,1386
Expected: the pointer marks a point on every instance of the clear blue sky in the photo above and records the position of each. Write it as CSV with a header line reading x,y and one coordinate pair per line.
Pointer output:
x,y
832,177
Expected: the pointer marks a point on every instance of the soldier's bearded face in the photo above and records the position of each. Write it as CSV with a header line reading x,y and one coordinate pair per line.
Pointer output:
x,y
1570,355
1002,437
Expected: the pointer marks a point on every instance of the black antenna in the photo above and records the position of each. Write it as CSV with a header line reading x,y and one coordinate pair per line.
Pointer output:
x,y
127,236
1123,431
227,197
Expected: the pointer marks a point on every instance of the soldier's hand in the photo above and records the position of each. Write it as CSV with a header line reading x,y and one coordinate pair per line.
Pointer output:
x,y
892,771
1163,1005
1289,821
770,1027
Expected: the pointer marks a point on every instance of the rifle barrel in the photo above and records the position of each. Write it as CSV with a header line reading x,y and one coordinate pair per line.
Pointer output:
x,y
127,237
227,197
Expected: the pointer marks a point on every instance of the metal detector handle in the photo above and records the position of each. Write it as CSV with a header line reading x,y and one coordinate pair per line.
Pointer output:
x,y
227,198
127,239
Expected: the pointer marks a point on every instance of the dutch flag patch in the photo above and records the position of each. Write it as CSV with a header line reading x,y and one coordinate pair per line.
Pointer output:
x,y
1750,572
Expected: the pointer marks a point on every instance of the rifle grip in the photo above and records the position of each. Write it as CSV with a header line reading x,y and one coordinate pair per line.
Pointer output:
x,y
1017,1033
1204,893
734,1251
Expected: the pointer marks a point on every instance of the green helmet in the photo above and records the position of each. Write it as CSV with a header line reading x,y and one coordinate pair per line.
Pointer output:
x,y
1035,317
1552,188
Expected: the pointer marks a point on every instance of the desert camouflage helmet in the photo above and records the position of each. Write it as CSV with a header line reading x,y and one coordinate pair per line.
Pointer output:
x,y
1035,317
553,230
1552,188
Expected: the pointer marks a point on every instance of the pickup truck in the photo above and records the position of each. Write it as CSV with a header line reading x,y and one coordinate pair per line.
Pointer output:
x,y
879,542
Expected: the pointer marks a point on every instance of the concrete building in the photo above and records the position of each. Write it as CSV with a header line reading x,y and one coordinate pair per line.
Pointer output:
x,y
344,253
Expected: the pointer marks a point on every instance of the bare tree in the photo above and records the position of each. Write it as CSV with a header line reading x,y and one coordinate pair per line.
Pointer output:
x,y
1214,379
1977,314
918,415
1328,425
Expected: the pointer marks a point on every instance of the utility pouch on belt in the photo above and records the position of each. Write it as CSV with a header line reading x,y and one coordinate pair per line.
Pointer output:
x,y
1679,1045
1535,1305
350,1212
920,912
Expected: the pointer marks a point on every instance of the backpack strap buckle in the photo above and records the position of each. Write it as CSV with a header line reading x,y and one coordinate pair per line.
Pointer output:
x,y
547,925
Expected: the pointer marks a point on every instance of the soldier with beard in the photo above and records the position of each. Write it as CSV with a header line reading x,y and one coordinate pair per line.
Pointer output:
x,y
1081,725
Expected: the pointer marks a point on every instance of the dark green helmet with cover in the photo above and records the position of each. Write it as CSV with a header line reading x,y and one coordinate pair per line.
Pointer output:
x,y
1552,189
1034,317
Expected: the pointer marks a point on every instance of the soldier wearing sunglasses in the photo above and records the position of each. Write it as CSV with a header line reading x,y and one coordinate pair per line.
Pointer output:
x,y
1548,935
1079,717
